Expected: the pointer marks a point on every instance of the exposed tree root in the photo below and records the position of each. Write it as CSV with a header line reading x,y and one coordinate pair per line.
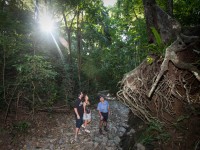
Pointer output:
x,y
171,55
169,87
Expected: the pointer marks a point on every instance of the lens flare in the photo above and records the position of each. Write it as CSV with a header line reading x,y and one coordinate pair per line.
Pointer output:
x,y
46,24
58,48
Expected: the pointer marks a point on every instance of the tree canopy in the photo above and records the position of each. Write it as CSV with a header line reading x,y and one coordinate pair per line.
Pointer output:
x,y
90,47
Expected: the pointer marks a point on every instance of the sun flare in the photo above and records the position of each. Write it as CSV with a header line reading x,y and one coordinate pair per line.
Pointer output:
x,y
46,24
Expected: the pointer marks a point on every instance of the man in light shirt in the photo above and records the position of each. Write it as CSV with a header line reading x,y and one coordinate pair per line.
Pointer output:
x,y
104,109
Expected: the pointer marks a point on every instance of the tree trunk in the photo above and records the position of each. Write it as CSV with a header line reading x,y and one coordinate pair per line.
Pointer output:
x,y
3,73
68,31
151,18
36,10
33,99
79,47
166,26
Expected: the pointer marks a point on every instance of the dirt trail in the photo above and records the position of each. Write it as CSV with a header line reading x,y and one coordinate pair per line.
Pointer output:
x,y
57,132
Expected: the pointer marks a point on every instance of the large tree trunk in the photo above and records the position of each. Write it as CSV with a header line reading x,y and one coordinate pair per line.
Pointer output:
x,y
151,18
167,27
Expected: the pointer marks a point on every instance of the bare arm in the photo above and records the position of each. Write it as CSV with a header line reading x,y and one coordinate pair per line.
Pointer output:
x,y
76,112
100,113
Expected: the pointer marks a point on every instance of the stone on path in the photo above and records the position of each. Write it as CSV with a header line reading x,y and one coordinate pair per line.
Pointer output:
x,y
61,136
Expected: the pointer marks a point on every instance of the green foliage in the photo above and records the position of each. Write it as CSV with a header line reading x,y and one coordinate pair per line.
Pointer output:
x,y
187,12
35,68
37,76
21,126
157,36
14,41
114,38
154,132
150,60
179,124
155,125
147,139
90,69
158,47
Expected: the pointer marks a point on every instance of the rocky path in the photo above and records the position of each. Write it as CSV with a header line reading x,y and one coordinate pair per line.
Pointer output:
x,y
61,135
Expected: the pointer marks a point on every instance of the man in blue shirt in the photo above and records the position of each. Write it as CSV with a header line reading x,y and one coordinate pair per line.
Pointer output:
x,y
103,108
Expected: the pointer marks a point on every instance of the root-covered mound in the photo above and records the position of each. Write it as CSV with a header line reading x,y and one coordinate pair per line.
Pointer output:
x,y
168,90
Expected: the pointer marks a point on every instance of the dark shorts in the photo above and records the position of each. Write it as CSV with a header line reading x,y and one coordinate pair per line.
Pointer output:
x,y
105,116
79,122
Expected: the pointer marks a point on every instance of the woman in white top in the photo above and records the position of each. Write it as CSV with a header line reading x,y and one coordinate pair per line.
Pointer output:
x,y
87,113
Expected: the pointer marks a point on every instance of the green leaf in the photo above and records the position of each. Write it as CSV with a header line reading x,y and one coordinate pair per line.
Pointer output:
x,y
150,60
157,36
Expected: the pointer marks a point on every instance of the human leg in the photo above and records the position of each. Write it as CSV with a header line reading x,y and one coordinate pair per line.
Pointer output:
x,y
85,123
101,124
78,125
76,132
105,119
84,120
87,120
86,129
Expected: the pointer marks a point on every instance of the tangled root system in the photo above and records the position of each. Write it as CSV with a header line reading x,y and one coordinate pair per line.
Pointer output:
x,y
164,88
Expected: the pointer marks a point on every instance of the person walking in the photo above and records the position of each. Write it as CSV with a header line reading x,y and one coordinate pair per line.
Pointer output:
x,y
87,112
78,109
104,109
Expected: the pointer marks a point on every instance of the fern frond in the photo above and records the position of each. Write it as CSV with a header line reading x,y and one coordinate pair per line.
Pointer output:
x,y
157,36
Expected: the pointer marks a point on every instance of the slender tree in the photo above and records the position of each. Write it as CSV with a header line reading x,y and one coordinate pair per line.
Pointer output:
x,y
79,44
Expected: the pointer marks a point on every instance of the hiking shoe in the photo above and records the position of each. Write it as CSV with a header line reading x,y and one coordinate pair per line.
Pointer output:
x,y
106,129
87,131
100,131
